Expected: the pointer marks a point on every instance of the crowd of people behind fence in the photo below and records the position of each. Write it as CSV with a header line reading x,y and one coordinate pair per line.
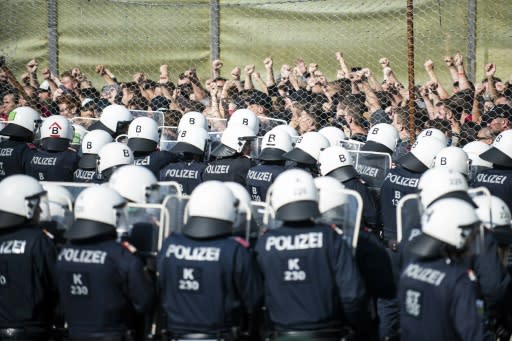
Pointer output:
x,y
341,253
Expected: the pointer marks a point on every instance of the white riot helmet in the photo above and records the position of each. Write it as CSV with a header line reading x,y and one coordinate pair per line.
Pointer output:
x,y
56,133
21,197
143,135
438,183
448,221
294,196
233,141
274,144
290,130
210,218
191,139
382,137
336,162
59,208
23,123
329,193
421,156
98,211
333,135
474,149
501,151
91,145
114,119
435,133
495,215
135,183
113,155
245,117
308,148
453,158
193,118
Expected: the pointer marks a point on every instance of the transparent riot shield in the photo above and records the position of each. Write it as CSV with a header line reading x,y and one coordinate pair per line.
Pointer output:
x,y
217,124
168,136
372,167
166,188
480,243
244,225
256,147
267,124
85,122
347,216
75,188
408,217
352,144
214,138
158,116
144,227
264,216
175,205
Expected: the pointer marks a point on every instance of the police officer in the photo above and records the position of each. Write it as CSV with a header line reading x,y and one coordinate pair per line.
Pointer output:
x,y
499,178
102,285
207,278
382,138
188,170
16,151
143,138
91,145
337,208
305,153
111,157
114,119
336,162
312,285
437,293
28,286
54,160
272,163
399,182
57,211
232,156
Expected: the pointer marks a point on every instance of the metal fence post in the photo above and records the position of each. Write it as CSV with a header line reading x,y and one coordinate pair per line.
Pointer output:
x,y
214,30
471,40
53,55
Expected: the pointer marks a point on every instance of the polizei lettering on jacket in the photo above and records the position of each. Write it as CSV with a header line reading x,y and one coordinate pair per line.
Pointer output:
x,y
84,174
6,151
182,173
402,181
491,179
260,176
10,247
217,169
43,161
146,161
303,241
427,275
367,170
83,256
205,254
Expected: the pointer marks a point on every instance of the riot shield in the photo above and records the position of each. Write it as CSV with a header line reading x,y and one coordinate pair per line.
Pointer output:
x,y
352,145
166,188
408,217
75,188
372,167
267,124
264,216
85,122
244,225
158,116
217,124
256,147
347,216
144,227
175,205
168,136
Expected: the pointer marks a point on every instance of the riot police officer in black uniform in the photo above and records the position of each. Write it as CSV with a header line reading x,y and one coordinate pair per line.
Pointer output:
x,y
102,285
259,178
16,151
207,278
232,155
498,179
437,295
143,138
312,285
111,157
54,160
28,286
188,171
91,145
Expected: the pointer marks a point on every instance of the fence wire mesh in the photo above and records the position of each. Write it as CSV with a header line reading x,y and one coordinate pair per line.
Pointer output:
x,y
331,62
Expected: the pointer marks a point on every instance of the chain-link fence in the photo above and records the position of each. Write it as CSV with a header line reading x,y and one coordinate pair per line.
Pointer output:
x,y
302,36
